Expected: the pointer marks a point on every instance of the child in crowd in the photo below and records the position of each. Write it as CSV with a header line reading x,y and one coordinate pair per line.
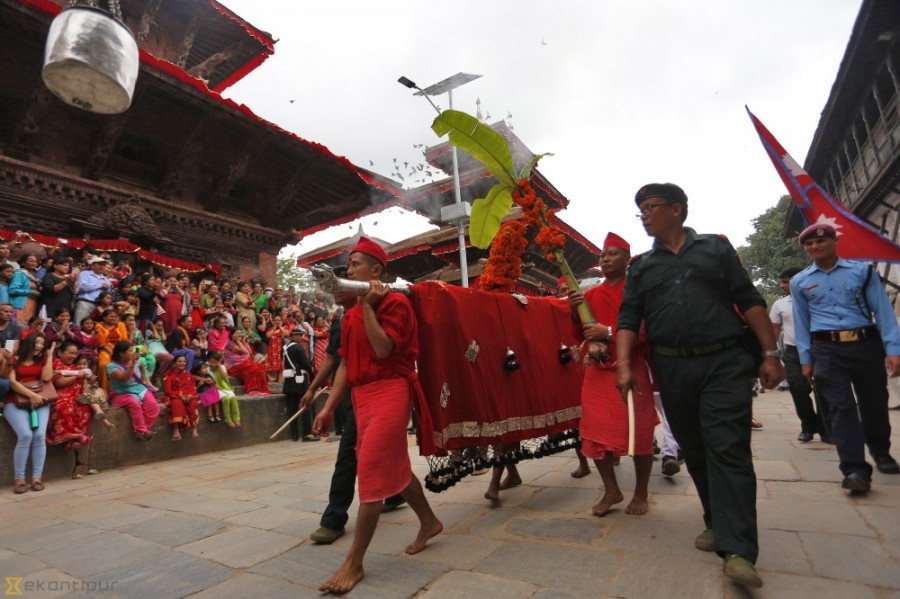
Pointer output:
x,y
91,393
228,399
207,392
199,344
35,325
89,338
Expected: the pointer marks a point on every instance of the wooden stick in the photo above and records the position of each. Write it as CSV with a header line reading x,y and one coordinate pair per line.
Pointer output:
x,y
290,420
630,423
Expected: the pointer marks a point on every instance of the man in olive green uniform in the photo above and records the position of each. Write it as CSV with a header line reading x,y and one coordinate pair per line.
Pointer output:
x,y
686,290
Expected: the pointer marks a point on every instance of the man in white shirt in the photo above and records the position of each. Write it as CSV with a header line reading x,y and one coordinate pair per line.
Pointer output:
x,y
812,419
91,283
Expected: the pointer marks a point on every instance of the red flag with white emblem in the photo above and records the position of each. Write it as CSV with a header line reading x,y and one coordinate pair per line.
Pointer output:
x,y
858,240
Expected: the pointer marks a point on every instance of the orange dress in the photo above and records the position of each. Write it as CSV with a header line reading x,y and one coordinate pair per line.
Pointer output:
x,y
107,336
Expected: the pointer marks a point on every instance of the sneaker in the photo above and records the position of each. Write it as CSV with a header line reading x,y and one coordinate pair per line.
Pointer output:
x,y
670,466
740,570
755,424
706,540
886,464
326,536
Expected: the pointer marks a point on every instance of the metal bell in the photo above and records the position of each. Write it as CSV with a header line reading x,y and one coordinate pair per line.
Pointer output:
x,y
565,354
509,361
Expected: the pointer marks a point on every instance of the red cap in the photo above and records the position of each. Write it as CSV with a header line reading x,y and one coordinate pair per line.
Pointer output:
x,y
561,281
370,248
815,231
613,240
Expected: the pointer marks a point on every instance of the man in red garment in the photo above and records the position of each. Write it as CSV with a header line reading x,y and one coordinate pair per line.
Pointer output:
x,y
379,350
604,416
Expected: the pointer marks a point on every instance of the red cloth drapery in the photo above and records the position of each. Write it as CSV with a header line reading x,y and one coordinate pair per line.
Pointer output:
x,y
480,403
110,245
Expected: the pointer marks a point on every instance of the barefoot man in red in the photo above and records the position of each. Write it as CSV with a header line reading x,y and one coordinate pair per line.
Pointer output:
x,y
379,350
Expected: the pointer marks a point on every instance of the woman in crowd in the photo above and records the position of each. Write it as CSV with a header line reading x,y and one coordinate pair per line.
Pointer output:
x,y
24,289
33,362
244,303
6,274
251,335
260,297
320,342
178,341
239,358
61,329
104,302
130,393
181,399
146,360
148,302
69,419
58,287
218,336
230,410
275,344
173,304
109,332
156,338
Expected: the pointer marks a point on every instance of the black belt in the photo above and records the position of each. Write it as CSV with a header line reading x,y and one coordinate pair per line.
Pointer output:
x,y
693,350
846,336
81,299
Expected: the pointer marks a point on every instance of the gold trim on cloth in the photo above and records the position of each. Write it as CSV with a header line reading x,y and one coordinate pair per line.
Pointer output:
x,y
471,429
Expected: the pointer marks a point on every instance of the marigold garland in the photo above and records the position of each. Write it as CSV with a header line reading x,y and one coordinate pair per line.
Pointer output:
x,y
504,265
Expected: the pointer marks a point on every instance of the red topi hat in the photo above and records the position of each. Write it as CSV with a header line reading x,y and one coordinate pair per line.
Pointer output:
x,y
370,248
613,240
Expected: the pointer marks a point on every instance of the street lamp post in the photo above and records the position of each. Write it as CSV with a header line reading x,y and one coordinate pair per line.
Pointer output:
x,y
448,85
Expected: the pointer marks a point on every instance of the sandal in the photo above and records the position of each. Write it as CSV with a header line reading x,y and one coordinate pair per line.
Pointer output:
x,y
210,419
218,419
20,487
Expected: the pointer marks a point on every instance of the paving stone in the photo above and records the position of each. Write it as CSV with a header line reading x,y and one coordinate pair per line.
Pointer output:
x,y
42,583
778,585
17,564
678,508
803,491
567,530
216,508
585,570
562,500
782,551
84,557
680,577
465,585
454,517
819,471
775,470
885,522
266,518
163,575
458,552
174,529
819,516
112,515
30,541
650,538
851,558
491,523
248,584
240,547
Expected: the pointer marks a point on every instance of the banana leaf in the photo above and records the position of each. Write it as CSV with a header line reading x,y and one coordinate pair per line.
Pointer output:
x,y
526,170
487,213
480,141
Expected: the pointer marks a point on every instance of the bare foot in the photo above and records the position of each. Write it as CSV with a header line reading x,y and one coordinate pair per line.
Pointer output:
x,y
638,506
480,471
344,579
195,433
582,471
232,425
176,437
493,492
602,507
511,481
426,531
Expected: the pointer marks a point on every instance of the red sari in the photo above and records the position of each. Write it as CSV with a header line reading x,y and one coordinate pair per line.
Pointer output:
x,y
251,373
69,420
319,347
604,416
274,359
181,399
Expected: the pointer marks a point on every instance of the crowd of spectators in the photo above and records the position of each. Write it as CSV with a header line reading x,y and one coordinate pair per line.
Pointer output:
x,y
123,338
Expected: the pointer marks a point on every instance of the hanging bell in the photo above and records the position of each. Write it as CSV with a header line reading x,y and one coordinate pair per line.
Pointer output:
x,y
509,361
91,59
565,354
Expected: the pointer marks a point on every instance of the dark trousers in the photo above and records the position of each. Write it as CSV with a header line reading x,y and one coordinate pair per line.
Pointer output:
x,y
292,403
812,419
707,402
840,369
343,481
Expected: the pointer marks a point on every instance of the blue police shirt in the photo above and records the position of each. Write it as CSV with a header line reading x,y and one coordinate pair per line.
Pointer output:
x,y
835,300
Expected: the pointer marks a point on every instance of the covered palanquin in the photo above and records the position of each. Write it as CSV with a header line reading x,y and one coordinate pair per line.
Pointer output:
x,y
495,369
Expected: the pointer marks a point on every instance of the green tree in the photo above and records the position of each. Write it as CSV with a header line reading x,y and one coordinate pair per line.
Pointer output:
x,y
768,253
287,274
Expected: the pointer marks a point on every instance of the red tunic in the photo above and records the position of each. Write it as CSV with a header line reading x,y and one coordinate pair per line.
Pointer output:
x,y
383,390
69,420
604,416
181,398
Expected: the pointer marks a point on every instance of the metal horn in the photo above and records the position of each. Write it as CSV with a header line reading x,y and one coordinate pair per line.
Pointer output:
x,y
329,283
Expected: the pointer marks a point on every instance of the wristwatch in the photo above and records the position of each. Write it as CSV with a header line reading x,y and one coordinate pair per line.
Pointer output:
x,y
772,353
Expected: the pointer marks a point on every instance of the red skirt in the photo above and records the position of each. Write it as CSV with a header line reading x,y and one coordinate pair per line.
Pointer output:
x,y
183,412
69,420
274,361
252,376
382,412
604,414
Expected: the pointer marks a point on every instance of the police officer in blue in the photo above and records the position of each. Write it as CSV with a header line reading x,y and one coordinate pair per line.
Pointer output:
x,y
844,349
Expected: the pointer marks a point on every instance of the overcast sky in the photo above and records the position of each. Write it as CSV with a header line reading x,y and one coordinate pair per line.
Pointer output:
x,y
623,93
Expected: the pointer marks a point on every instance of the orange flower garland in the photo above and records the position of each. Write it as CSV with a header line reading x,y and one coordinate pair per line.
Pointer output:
x,y
504,265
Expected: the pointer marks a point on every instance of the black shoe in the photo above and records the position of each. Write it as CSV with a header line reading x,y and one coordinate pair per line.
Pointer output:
x,y
670,466
857,483
679,456
826,439
897,407
805,437
656,449
309,438
887,465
